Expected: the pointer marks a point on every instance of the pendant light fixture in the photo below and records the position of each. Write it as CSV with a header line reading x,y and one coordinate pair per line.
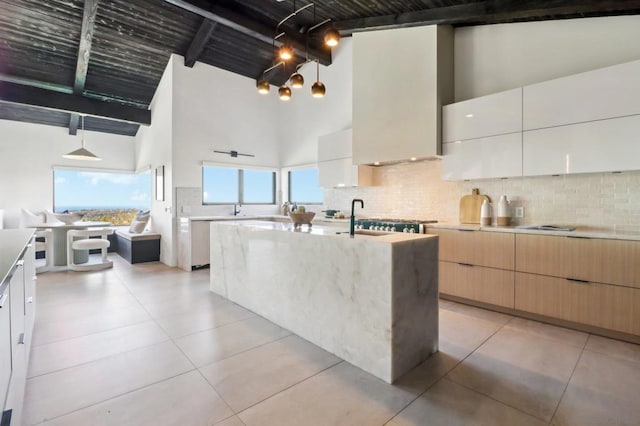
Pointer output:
x,y
297,80
331,37
82,153
285,53
263,86
318,90
284,92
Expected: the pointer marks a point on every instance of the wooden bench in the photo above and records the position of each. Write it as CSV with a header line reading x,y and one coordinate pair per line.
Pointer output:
x,y
138,248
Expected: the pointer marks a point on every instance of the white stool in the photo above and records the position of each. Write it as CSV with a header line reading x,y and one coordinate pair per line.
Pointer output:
x,y
86,243
44,246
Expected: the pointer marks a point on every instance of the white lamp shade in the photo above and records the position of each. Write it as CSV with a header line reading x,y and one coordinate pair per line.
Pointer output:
x,y
82,154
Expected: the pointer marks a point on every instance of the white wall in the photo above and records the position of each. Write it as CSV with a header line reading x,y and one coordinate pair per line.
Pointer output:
x,y
493,58
28,153
216,109
304,118
154,148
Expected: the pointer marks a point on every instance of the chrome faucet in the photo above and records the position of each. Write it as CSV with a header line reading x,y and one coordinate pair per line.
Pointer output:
x,y
236,210
352,222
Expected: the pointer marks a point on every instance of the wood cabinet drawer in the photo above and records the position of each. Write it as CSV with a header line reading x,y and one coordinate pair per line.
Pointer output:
x,y
600,305
539,254
488,285
604,261
491,249
592,259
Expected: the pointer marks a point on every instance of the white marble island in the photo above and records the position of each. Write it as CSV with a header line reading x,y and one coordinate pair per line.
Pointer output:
x,y
371,300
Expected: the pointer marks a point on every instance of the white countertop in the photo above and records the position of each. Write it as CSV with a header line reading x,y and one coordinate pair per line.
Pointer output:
x,y
329,230
613,233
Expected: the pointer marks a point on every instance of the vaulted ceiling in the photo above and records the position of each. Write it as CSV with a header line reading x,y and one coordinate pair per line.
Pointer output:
x,y
103,59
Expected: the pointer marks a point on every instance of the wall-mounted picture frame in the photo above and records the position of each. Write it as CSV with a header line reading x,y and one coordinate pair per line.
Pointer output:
x,y
160,183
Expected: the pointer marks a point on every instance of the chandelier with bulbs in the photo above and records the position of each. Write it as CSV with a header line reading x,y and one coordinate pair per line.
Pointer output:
x,y
285,54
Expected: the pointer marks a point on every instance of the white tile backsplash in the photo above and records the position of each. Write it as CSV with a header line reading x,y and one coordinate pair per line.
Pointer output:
x,y
189,203
416,191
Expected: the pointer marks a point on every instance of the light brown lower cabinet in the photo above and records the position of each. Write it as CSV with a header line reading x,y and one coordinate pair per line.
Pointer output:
x,y
599,305
488,285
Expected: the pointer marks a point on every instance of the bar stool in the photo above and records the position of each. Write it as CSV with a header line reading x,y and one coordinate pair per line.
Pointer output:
x,y
87,243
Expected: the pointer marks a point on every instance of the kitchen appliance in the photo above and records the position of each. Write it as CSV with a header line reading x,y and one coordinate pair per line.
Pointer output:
x,y
470,206
393,225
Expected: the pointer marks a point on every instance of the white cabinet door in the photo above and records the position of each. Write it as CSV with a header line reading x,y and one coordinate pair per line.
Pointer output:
x,y
496,156
5,344
335,173
335,146
598,146
491,115
200,243
594,95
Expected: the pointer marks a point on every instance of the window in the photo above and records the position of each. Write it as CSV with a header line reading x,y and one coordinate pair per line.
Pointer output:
x,y
304,188
228,185
101,196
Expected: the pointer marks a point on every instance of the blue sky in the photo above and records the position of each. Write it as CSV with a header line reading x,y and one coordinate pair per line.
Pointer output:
x,y
100,190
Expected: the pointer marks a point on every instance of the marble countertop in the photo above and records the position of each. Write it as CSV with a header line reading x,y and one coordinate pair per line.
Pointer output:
x,y
13,242
626,232
330,231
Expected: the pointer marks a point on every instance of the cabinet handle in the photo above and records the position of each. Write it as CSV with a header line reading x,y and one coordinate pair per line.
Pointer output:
x,y
466,230
21,339
29,245
3,299
575,280
468,265
578,237
29,299
20,262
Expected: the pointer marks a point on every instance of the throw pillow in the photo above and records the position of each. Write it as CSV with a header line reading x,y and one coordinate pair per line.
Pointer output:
x,y
28,219
137,226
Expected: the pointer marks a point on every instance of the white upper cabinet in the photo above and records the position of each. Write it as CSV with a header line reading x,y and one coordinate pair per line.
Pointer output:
x,y
335,145
597,146
335,163
401,79
491,115
492,157
594,95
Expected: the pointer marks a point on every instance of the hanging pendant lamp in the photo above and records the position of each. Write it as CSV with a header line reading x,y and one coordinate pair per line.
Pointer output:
x,y
82,153
263,86
297,80
331,37
284,92
318,90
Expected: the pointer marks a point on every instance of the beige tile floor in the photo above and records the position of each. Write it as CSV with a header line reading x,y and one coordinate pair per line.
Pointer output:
x,y
150,345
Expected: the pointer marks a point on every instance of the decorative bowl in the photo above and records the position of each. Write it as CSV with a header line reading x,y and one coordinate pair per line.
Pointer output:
x,y
299,219
68,218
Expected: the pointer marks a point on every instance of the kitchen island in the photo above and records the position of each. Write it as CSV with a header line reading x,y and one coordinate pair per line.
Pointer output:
x,y
371,300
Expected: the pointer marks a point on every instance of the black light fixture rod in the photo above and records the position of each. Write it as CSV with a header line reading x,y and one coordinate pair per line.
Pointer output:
x,y
294,13
233,153
318,25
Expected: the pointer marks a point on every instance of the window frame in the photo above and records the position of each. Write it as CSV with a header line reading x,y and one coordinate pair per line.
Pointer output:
x,y
288,171
241,168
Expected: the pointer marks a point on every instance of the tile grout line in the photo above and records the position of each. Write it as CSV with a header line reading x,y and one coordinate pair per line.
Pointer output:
x,y
566,386
340,361
114,397
447,372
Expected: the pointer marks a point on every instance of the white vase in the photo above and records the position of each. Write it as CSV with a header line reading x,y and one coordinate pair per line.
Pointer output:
x,y
504,214
486,213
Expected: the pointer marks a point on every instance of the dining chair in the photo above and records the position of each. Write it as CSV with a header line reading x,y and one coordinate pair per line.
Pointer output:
x,y
80,239
46,247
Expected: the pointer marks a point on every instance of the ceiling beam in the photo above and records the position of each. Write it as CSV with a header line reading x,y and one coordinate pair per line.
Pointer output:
x,y
84,51
199,42
488,12
33,96
253,28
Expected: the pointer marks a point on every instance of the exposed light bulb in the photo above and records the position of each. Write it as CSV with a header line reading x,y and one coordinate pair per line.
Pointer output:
x,y
285,52
331,37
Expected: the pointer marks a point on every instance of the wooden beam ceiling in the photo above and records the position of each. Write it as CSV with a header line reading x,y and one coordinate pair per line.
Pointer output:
x,y
253,28
33,96
489,12
199,42
84,51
